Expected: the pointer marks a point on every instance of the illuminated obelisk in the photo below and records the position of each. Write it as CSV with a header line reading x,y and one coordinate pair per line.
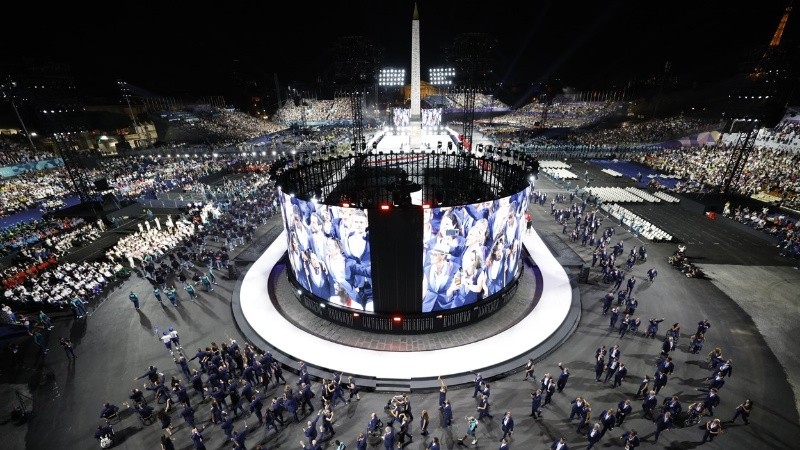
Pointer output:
x,y
415,138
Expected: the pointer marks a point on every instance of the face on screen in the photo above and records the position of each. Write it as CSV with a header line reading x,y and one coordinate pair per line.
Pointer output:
x,y
482,248
324,264
358,223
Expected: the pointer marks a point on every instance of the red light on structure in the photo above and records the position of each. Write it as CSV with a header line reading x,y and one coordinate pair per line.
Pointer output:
x,y
345,205
355,314
384,207
426,206
397,319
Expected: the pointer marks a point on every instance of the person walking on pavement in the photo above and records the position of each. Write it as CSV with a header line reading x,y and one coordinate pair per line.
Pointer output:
x,y
66,344
134,299
530,370
176,340
713,429
190,289
44,319
206,283
562,377
663,422
507,425
743,410
165,339
171,295
39,339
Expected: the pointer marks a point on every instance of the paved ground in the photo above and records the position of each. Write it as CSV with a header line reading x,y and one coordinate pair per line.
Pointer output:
x,y
750,308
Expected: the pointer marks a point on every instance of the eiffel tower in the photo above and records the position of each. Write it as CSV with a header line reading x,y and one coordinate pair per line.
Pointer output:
x,y
761,100
765,65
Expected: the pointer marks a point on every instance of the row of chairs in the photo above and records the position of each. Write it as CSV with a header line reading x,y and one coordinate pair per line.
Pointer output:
x,y
666,197
554,164
561,174
644,194
612,173
614,195
637,223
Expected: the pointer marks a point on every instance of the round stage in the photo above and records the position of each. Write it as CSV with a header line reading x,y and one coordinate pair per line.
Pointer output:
x,y
538,318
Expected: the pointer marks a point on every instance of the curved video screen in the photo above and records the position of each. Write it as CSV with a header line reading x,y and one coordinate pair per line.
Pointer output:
x,y
328,250
471,252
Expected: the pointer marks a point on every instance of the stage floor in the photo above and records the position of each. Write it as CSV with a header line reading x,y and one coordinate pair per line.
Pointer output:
x,y
516,341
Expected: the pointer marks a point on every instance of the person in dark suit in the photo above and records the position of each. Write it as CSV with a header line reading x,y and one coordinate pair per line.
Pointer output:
x,y
608,299
374,424
313,445
743,410
673,405
305,396
631,440
551,389
545,381
624,408
403,432
447,414
712,429
666,365
703,326
507,425
611,369
477,384
619,375
361,442
644,387
562,377
310,430
649,404
599,367
536,404
663,422
559,444
388,439
711,400
614,352
666,346
607,420
614,317
503,444
594,435
660,381
577,407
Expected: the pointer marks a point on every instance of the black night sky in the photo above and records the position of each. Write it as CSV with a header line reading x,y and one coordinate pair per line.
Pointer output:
x,y
176,48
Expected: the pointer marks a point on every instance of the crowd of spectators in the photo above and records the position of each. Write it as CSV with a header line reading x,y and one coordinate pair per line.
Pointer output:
x,y
56,235
15,149
29,189
52,284
314,111
557,115
219,126
703,170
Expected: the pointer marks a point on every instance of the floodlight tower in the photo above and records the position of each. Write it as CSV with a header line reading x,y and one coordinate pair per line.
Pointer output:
x,y
471,56
355,62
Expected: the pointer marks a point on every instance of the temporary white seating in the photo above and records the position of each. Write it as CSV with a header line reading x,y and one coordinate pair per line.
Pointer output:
x,y
636,223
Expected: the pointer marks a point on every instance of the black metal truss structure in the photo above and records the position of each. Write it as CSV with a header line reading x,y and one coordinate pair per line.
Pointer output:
x,y
471,55
355,62
740,152
374,179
